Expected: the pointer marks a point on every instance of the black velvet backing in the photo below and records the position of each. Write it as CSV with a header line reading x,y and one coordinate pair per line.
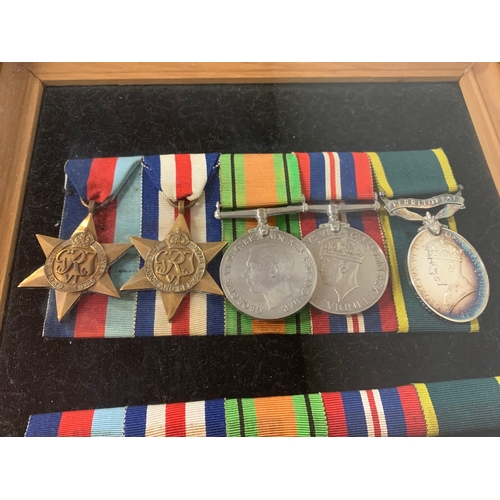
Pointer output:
x,y
41,375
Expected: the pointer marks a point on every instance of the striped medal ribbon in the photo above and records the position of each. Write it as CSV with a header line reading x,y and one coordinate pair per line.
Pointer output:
x,y
175,265
344,178
78,261
430,409
413,174
251,181
141,208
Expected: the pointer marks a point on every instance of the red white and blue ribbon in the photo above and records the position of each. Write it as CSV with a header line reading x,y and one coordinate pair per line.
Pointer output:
x,y
140,208
99,179
330,176
175,177
431,409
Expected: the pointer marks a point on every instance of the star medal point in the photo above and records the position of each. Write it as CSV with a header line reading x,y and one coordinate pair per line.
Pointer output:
x,y
76,265
175,265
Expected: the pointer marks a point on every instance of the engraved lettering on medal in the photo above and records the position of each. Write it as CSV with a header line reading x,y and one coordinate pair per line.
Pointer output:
x,y
268,270
72,265
76,264
268,277
176,264
353,270
448,275
340,259
445,261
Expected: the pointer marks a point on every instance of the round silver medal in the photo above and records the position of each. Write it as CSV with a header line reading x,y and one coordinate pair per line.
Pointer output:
x,y
268,276
353,270
448,275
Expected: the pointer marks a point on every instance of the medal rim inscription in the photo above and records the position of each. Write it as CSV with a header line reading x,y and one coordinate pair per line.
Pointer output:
x,y
481,266
379,251
163,287
260,239
77,287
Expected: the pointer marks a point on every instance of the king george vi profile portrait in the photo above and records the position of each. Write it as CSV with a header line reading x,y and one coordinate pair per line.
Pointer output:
x,y
445,264
340,260
268,272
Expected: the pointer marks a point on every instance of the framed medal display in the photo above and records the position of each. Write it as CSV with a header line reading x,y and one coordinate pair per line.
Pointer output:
x,y
311,141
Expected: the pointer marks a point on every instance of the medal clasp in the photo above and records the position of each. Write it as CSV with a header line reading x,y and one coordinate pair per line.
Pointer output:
x,y
334,209
260,214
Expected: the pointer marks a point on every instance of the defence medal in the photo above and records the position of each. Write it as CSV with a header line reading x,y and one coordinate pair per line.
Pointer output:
x,y
267,273
444,268
76,265
353,269
175,265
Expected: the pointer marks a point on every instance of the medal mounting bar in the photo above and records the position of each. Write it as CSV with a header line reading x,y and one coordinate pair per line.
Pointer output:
x,y
260,214
444,269
400,207
334,209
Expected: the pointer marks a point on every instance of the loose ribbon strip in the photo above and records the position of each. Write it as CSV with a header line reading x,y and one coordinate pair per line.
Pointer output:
x,y
432,409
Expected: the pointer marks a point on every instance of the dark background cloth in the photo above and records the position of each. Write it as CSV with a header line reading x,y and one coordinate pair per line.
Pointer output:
x,y
40,375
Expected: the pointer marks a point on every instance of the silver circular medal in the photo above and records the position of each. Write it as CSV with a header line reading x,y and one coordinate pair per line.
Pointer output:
x,y
448,275
353,270
268,276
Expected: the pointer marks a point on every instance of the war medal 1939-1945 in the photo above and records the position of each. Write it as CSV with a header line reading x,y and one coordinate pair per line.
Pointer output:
x,y
267,273
445,270
353,269
76,265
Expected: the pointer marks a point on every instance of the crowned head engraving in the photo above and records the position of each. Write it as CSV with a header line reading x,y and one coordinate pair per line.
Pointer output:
x,y
445,265
268,270
340,258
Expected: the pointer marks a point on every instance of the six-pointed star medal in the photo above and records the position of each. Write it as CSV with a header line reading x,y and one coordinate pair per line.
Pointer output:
x,y
175,266
76,265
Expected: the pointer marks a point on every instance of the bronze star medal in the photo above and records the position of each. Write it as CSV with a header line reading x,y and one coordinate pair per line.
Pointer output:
x,y
76,265
175,266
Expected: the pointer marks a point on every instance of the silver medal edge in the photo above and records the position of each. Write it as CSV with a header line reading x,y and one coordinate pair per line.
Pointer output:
x,y
385,284
483,268
315,277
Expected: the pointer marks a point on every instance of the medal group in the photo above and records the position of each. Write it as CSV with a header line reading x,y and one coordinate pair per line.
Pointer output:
x,y
297,229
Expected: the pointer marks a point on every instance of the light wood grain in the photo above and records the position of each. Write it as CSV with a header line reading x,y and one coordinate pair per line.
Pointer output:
x,y
481,90
157,73
21,90
20,98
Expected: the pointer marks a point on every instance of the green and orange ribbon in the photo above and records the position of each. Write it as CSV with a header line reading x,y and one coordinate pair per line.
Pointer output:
x,y
258,181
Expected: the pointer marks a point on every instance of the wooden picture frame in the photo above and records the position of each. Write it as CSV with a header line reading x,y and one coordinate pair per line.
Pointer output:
x,y
22,84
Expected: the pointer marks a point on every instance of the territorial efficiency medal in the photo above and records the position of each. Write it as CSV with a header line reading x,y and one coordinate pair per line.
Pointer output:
x,y
267,273
353,269
445,270
76,265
